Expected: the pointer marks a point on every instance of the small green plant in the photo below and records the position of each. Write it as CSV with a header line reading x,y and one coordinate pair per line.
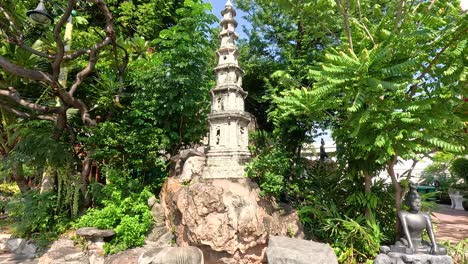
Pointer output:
x,y
9,188
458,252
291,233
269,170
124,210
81,242
355,240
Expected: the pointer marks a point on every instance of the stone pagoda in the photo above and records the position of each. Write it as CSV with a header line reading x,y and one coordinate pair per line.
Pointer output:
x,y
228,136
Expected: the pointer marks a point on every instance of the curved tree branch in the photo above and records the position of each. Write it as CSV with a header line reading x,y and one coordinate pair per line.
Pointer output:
x,y
58,38
344,10
59,58
93,58
25,73
93,52
14,96
10,21
22,45
17,112
399,15
363,24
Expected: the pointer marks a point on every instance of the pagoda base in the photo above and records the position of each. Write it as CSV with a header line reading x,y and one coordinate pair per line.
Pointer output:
x,y
223,164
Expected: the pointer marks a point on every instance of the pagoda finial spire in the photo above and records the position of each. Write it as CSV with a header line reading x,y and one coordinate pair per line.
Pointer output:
x,y
228,3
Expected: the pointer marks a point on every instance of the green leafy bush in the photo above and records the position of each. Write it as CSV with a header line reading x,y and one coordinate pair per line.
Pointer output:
x,y
122,208
460,169
334,213
9,189
35,215
458,251
329,202
269,171
356,240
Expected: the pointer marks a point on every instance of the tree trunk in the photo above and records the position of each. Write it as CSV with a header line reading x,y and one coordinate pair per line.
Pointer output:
x,y
398,191
18,175
367,190
48,179
85,169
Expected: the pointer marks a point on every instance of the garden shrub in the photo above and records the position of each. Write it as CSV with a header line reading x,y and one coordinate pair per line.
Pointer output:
x,y
123,208
268,171
460,169
329,202
9,189
458,251
334,213
36,216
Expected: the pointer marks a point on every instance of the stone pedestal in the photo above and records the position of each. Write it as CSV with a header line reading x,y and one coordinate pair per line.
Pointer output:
x,y
400,258
457,201
225,164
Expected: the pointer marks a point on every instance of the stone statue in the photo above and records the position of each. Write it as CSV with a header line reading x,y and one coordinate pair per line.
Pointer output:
x,y
413,223
410,247
323,154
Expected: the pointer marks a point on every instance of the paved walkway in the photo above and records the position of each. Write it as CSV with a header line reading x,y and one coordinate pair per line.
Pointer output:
x,y
452,225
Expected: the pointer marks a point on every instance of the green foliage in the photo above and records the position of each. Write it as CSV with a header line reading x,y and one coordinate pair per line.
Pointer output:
x,y
146,111
164,103
44,216
68,194
458,251
330,204
388,87
459,168
9,189
122,208
35,215
269,168
333,211
356,240
130,218
439,172
37,146
144,18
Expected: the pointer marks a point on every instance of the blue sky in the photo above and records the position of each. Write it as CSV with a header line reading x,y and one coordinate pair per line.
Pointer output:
x,y
218,6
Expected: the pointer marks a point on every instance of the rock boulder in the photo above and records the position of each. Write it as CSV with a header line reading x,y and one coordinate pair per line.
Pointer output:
x,y
19,246
226,218
172,255
285,250
63,251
